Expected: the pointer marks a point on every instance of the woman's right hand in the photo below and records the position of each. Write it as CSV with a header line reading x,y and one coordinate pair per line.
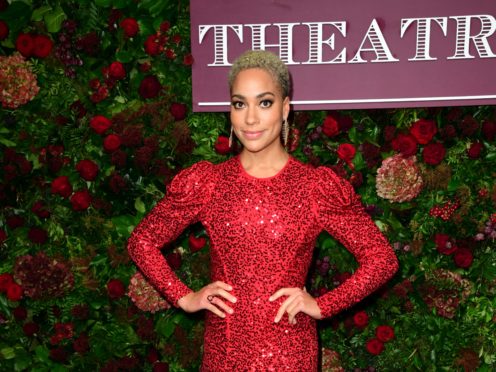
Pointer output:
x,y
217,292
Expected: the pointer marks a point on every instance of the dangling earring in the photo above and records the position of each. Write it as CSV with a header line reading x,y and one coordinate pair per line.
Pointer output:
x,y
285,132
231,137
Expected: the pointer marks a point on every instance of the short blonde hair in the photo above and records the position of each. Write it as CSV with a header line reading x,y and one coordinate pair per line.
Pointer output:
x,y
265,60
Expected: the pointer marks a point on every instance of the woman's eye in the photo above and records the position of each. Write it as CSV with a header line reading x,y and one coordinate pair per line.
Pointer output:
x,y
237,104
266,103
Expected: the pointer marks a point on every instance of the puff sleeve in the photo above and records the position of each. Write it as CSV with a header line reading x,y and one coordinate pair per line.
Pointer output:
x,y
188,192
339,211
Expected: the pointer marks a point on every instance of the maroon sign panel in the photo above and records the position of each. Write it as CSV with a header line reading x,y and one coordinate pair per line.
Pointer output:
x,y
352,54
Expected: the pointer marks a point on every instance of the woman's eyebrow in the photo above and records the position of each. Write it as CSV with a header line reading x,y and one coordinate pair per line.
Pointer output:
x,y
240,96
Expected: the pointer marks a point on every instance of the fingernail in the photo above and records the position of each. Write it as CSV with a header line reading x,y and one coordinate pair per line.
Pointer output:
x,y
231,311
275,320
233,300
270,298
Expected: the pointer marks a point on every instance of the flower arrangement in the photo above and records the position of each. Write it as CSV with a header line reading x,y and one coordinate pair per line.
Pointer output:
x,y
95,123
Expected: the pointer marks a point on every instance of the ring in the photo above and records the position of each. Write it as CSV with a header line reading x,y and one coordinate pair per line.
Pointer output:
x,y
210,298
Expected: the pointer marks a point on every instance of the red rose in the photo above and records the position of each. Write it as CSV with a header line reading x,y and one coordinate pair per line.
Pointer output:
x,y
423,130
346,152
330,127
100,124
119,158
195,244
20,313
152,46
406,144
174,260
14,292
117,71
30,329
475,150
3,236
42,46
25,44
130,27
444,244
468,126
433,153
389,132
384,333
61,186
87,169
170,54
115,289
222,145
489,130
15,221
361,319
463,258
117,183
448,132
58,355
149,87
100,94
188,60
112,143
81,200
81,344
4,30
161,367
39,208
6,280
374,346
37,235
178,110
165,26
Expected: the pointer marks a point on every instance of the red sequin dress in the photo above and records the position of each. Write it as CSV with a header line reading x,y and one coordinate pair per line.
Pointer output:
x,y
262,233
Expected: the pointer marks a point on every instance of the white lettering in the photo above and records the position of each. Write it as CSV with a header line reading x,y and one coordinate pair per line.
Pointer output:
x,y
258,41
316,42
422,51
220,41
463,25
378,43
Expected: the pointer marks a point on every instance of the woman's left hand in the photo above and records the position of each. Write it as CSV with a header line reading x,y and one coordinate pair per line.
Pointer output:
x,y
298,301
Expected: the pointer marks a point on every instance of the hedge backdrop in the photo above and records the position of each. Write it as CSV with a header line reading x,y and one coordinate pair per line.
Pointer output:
x,y
95,121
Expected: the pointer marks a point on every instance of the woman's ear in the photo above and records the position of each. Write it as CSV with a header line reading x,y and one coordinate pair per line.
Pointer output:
x,y
285,108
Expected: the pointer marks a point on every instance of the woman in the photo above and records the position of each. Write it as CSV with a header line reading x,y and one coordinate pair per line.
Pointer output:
x,y
263,211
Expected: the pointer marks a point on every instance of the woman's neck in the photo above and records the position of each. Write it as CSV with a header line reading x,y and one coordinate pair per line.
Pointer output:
x,y
264,163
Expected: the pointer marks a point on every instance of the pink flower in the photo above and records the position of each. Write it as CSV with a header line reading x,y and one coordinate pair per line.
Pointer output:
x,y
18,83
398,179
144,296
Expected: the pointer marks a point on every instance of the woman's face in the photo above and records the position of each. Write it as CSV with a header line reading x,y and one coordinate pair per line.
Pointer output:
x,y
257,110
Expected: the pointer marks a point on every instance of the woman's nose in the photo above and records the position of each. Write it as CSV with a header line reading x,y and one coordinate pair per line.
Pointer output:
x,y
251,116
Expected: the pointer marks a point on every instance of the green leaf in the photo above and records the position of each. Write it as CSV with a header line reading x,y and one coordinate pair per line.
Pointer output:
x,y
7,353
165,327
42,353
18,11
140,206
54,19
124,56
103,3
39,13
155,7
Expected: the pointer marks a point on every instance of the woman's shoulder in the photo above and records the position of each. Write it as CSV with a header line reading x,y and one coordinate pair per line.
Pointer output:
x,y
198,179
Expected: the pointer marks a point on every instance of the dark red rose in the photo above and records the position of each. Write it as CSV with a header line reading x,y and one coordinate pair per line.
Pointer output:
x,y
489,130
384,333
346,152
174,260
361,319
115,289
405,144
39,208
4,30
161,367
188,59
468,126
20,313
112,143
30,329
61,186
345,123
165,26
222,145
356,179
389,133
15,221
38,235
81,344
423,130
100,94
463,258
81,311
149,87
87,169
130,27
89,43
25,44
330,126
117,71
444,244
195,244
117,183
374,346
58,355
81,200
3,236
4,4
14,292
475,150
100,124
6,280
152,46
152,355
170,53
115,15
145,66
42,46
433,153
119,158
178,110
448,132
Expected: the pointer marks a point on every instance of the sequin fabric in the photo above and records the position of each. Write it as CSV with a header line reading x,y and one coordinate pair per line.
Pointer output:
x,y
262,233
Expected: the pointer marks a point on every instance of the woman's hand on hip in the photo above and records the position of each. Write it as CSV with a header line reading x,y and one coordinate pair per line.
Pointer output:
x,y
212,297
298,301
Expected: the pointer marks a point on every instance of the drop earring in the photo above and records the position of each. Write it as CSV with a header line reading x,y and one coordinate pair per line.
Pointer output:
x,y
285,132
231,137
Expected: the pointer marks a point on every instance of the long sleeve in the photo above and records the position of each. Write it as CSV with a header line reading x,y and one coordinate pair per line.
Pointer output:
x,y
341,213
188,192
